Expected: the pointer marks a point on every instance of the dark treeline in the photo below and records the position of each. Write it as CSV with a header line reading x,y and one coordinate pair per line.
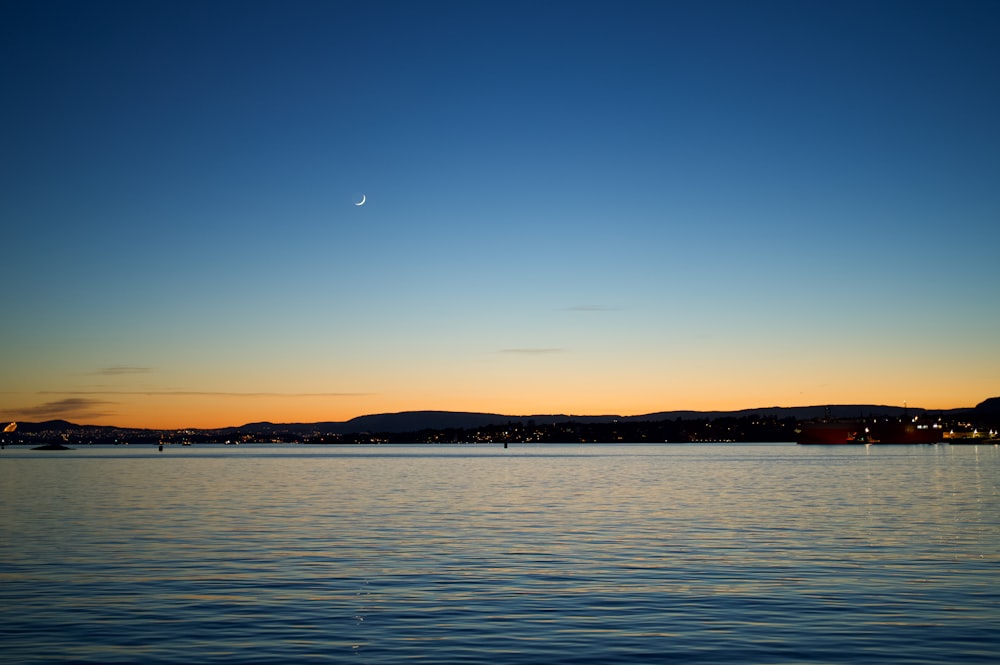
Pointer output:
x,y
735,429
753,428
742,429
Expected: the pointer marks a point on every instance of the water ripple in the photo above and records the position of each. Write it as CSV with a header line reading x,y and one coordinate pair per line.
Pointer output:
x,y
561,554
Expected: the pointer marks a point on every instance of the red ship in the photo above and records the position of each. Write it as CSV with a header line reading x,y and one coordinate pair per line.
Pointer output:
x,y
868,431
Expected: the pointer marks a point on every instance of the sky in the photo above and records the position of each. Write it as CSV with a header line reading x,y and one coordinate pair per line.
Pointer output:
x,y
570,207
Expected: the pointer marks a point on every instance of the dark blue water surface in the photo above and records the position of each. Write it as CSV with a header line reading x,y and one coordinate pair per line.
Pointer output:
x,y
474,554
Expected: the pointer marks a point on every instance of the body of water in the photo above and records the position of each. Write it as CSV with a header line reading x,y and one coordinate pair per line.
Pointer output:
x,y
695,553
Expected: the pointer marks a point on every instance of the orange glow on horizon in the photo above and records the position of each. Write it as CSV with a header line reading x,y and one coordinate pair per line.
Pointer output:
x,y
210,412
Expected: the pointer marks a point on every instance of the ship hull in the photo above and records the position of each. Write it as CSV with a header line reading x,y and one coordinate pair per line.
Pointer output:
x,y
857,432
828,433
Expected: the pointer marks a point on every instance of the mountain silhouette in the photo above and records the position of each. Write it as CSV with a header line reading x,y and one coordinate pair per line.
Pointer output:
x,y
415,421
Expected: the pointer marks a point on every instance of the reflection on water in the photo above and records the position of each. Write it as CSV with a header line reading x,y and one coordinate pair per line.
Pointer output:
x,y
702,553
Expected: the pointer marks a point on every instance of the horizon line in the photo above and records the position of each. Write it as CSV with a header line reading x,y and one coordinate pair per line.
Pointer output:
x,y
904,406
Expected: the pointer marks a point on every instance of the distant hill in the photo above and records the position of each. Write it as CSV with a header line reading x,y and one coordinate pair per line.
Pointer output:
x,y
415,421
46,426
990,406
797,412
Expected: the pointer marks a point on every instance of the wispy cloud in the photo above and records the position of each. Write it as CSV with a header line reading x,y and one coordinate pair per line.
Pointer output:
x,y
120,370
533,351
71,407
590,308
196,393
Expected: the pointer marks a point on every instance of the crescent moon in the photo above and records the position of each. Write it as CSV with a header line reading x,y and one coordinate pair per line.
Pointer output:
x,y
361,202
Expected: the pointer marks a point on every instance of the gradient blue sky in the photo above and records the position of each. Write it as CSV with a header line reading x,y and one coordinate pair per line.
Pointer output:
x,y
586,207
